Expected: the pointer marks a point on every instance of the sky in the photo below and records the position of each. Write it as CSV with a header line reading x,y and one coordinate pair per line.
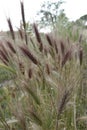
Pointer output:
x,y
11,8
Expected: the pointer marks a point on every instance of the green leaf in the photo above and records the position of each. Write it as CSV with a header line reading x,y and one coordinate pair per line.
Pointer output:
x,y
6,73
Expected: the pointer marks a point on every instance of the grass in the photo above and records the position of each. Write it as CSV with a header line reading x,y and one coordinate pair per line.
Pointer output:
x,y
41,82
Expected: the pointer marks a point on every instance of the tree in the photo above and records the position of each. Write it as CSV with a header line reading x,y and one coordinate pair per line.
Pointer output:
x,y
81,22
84,17
49,13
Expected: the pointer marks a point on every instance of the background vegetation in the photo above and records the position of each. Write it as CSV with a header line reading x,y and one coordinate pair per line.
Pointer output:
x,y
43,76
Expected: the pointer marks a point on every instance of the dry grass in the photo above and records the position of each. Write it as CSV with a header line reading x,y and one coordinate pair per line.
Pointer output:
x,y
46,81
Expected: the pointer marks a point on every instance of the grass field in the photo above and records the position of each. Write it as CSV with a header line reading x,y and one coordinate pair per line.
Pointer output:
x,y
43,81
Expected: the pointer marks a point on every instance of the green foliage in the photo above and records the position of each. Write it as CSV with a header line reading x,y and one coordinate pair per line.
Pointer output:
x,y
46,91
6,73
49,13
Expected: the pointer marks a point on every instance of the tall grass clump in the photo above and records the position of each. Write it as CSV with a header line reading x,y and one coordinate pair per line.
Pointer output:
x,y
40,79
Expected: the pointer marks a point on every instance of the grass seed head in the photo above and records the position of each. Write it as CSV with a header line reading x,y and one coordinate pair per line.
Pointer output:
x,y
62,47
3,60
11,28
49,40
38,37
27,53
56,48
9,44
3,48
66,57
4,56
47,69
23,15
30,73
21,34
81,56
